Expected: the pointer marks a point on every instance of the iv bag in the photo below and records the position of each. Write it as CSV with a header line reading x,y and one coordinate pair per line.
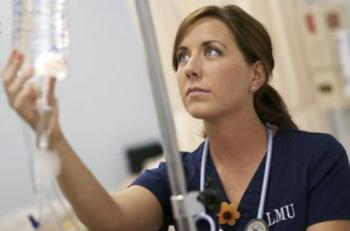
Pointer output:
x,y
40,31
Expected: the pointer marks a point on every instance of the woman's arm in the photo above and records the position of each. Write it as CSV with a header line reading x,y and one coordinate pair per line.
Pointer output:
x,y
337,225
134,209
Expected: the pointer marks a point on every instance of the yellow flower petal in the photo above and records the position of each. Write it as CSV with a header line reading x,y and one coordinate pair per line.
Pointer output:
x,y
228,213
232,222
225,205
232,206
222,220
237,215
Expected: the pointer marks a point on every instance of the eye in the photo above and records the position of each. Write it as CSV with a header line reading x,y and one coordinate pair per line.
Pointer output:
x,y
212,51
182,57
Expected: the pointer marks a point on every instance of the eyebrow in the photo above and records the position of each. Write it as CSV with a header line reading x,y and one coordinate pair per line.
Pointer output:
x,y
204,44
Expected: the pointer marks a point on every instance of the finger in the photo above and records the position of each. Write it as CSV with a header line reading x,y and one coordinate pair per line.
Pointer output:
x,y
33,93
11,69
19,82
25,95
25,105
8,62
51,91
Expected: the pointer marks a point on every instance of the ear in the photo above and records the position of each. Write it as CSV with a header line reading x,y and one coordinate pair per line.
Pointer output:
x,y
258,77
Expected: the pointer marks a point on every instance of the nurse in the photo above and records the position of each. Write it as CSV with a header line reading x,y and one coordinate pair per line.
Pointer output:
x,y
269,174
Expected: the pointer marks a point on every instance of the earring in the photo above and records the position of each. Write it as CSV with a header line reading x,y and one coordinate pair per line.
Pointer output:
x,y
253,89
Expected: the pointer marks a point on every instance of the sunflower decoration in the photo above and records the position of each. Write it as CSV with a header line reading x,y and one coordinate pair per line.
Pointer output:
x,y
228,214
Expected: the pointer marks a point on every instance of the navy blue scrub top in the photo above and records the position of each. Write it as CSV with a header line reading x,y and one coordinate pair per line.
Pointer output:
x,y
309,183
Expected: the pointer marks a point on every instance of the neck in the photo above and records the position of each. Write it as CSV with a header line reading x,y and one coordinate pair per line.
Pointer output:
x,y
238,140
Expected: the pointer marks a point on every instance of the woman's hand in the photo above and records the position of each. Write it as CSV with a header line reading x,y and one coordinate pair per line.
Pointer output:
x,y
22,94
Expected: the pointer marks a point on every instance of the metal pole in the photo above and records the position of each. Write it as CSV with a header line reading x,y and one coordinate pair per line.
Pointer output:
x,y
175,169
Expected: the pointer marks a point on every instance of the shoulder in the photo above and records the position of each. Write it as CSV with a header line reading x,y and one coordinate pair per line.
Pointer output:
x,y
314,153
323,165
322,155
315,144
302,136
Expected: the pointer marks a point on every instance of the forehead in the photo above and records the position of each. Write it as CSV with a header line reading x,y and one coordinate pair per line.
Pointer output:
x,y
207,29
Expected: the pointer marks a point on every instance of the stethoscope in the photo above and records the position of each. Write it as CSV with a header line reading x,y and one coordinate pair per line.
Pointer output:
x,y
256,224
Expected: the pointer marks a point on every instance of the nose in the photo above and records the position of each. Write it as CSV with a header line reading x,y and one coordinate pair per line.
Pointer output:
x,y
193,69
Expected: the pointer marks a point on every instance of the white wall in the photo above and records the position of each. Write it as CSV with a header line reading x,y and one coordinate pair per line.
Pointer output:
x,y
105,106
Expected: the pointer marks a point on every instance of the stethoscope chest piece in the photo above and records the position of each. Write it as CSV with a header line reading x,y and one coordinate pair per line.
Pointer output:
x,y
256,225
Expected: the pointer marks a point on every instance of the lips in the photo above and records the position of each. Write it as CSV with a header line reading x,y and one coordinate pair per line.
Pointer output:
x,y
196,89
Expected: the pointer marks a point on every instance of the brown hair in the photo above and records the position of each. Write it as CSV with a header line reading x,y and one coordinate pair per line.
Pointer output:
x,y
255,44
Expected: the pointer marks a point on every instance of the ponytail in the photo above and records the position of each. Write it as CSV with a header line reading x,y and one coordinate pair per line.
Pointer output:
x,y
271,108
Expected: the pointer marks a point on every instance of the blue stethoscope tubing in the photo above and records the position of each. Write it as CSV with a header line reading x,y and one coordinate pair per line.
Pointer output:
x,y
203,215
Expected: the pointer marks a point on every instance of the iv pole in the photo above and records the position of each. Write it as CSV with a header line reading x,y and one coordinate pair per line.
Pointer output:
x,y
181,201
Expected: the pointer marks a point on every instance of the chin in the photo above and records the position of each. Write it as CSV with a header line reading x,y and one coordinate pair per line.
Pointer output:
x,y
200,112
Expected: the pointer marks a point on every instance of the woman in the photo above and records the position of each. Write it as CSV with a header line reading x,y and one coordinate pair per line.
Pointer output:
x,y
223,60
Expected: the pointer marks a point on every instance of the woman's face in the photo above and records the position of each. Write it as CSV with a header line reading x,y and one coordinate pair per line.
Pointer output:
x,y
213,76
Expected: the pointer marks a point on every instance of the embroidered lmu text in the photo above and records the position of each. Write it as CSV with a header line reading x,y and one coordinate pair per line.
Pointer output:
x,y
284,213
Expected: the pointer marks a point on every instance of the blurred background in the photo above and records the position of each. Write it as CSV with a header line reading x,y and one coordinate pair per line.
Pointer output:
x,y
106,106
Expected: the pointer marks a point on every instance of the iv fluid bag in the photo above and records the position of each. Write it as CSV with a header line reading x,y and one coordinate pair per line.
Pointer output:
x,y
40,31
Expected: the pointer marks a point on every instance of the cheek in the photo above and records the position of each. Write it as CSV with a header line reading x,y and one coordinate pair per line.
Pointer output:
x,y
233,80
180,83
223,73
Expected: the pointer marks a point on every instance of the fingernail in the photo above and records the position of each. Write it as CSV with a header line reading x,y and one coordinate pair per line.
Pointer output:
x,y
19,56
